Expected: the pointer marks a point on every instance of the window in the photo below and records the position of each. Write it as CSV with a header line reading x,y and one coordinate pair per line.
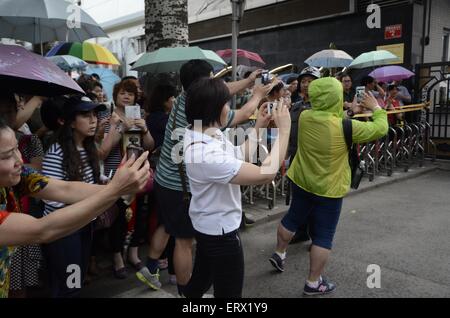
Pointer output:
x,y
142,47
446,45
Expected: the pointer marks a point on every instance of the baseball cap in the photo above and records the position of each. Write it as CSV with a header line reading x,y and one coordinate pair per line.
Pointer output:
x,y
81,104
310,71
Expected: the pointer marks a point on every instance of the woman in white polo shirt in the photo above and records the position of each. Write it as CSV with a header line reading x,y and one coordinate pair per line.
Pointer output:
x,y
216,169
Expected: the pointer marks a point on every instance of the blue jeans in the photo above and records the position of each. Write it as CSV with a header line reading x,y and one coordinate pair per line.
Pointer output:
x,y
323,215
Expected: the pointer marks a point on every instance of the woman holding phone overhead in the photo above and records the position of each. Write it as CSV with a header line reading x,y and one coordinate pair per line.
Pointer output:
x,y
111,151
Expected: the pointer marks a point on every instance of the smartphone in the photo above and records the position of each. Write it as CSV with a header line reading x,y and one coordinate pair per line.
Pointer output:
x,y
360,93
271,106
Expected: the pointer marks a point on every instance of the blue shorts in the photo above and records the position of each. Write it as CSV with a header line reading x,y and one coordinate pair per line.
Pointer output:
x,y
321,213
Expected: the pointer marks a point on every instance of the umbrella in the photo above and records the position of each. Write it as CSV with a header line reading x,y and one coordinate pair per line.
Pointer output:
x,y
391,73
107,77
133,61
243,57
25,72
87,51
39,21
166,60
68,63
285,77
374,58
330,59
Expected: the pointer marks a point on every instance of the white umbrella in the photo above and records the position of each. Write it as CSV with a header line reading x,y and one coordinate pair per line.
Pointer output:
x,y
39,21
329,59
68,63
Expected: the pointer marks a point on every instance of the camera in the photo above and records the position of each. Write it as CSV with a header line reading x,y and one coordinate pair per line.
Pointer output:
x,y
265,78
134,149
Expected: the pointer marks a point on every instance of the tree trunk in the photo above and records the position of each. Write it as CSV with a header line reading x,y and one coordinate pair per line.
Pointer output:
x,y
166,24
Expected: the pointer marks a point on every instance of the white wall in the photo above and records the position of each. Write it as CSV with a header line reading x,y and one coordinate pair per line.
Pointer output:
x,y
106,10
440,19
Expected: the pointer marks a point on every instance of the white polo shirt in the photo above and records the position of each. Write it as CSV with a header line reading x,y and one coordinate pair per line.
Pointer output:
x,y
211,162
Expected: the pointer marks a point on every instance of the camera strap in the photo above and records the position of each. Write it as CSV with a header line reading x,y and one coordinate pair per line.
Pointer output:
x,y
186,196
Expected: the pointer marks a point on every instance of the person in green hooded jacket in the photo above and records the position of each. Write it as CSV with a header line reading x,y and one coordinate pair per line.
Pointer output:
x,y
321,175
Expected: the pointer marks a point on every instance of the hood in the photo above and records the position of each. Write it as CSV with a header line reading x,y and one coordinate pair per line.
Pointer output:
x,y
326,94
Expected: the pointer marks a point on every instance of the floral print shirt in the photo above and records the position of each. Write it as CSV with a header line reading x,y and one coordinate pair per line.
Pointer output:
x,y
31,182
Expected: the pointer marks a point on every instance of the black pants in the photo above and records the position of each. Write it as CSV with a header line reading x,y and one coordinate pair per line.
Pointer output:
x,y
219,261
141,222
70,250
118,230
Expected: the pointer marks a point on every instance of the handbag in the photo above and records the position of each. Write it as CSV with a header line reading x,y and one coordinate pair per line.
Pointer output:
x,y
107,218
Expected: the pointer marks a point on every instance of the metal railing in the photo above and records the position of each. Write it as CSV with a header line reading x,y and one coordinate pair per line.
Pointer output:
x,y
402,147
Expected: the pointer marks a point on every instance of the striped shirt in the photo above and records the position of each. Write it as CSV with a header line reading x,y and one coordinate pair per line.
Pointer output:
x,y
112,162
167,173
52,166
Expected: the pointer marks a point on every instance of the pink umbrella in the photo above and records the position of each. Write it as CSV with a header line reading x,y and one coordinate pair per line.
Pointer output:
x,y
244,57
25,72
391,73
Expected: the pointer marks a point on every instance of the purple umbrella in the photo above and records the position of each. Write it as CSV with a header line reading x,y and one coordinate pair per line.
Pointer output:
x,y
24,72
391,73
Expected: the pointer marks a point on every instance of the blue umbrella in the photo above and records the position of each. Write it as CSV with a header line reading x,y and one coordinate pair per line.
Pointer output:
x,y
107,77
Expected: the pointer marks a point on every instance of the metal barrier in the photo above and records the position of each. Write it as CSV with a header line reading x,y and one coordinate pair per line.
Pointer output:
x,y
403,146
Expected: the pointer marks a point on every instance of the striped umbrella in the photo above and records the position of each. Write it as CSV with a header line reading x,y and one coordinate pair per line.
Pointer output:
x,y
87,51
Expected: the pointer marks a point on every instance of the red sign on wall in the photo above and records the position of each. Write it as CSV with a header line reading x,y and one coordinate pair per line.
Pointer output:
x,y
393,32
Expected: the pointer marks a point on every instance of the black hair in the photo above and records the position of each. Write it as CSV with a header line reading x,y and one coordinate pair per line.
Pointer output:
x,y
97,83
52,110
87,85
91,96
205,100
345,75
130,77
366,80
159,96
8,108
95,76
192,71
391,87
291,79
72,163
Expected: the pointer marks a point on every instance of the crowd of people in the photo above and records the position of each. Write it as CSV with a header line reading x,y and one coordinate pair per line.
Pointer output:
x,y
69,187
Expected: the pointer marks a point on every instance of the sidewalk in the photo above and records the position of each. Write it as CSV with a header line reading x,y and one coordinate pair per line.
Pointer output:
x,y
261,213
106,285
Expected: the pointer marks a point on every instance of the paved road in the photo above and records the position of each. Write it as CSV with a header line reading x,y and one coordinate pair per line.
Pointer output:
x,y
403,227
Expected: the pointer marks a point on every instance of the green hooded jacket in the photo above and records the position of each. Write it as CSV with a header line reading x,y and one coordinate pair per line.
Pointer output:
x,y
320,165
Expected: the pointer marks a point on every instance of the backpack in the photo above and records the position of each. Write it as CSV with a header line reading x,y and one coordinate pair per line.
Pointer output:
x,y
357,166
